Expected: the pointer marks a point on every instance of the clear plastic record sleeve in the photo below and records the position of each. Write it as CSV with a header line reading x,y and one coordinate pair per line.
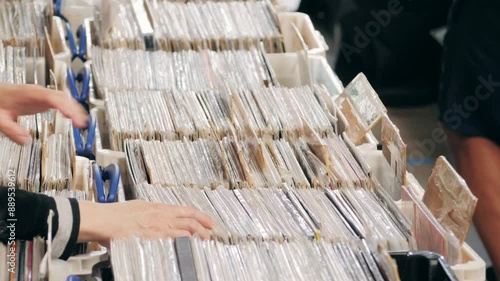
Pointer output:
x,y
316,170
430,234
195,25
278,160
336,167
289,261
21,25
401,221
188,70
135,162
385,219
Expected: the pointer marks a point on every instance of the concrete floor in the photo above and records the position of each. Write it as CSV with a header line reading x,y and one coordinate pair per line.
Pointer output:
x,y
416,125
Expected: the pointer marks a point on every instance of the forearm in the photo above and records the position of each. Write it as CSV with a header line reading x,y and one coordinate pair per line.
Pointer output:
x,y
29,213
92,229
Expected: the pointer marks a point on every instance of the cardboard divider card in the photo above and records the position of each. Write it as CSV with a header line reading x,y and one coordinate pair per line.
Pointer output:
x,y
49,56
355,128
449,199
394,150
365,100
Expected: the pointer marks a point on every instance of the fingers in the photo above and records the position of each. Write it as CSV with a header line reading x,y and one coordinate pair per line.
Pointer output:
x,y
40,99
151,221
12,130
192,226
67,106
177,233
166,232
31,99
193,213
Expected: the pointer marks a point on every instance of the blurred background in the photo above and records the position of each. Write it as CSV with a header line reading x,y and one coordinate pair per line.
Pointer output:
x,y
388,40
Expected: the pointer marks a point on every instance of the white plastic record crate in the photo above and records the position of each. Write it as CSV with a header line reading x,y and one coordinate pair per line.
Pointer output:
x,y
76,11
312,38
59,45
299,69
473,268
59,49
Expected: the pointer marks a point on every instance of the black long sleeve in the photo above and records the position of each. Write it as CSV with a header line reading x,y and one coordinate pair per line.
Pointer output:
x,y
27,213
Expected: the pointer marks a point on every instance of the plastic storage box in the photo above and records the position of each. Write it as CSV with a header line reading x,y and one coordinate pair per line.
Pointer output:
x,y
291,70
423,266
313,39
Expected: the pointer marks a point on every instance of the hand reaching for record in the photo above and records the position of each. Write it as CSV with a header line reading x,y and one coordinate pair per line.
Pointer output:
x,y
19,100
104,222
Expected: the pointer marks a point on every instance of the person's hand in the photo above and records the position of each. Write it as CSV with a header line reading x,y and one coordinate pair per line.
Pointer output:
x,y
103,222
18,100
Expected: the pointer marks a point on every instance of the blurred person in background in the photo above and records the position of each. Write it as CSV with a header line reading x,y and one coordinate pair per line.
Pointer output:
x,y
469,106
390,41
